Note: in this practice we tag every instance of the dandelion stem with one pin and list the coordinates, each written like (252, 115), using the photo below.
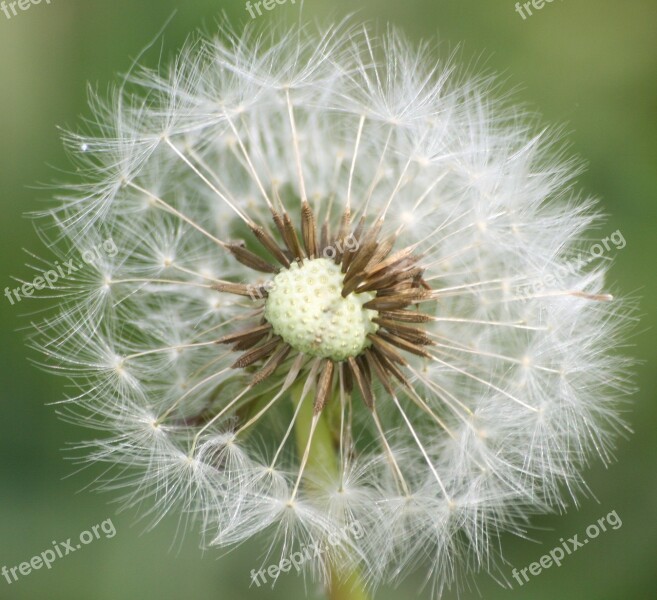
(349, 588)
(345, 583)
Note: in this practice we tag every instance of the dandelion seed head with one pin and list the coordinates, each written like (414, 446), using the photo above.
(328, 306)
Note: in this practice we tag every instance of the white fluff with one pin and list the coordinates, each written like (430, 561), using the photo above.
(522, 389)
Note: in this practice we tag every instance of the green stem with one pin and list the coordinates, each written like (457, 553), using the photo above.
(323, 464)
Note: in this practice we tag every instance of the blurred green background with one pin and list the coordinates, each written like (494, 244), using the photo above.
(591, 64)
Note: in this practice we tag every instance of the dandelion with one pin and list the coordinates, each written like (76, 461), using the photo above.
(319, 313)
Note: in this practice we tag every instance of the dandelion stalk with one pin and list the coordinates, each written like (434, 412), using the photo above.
(323, 464)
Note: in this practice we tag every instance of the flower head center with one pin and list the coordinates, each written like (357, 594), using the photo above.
(306, 308)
